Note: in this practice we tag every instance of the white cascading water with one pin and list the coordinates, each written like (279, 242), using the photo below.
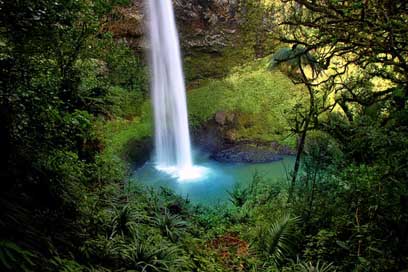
(172, 137)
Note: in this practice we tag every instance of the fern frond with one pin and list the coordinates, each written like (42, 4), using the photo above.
(277, 241)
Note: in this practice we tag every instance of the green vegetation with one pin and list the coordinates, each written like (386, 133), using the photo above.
(260, 99)
(117, 133)
(73, 100)
(200, 66)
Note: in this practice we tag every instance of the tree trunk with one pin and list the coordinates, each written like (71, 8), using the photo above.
(299, 152)
(301, 144)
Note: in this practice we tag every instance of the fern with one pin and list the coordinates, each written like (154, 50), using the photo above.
(170, 225)
(319, 267)
(14, 258)
(238, 196)
(64, 265)
(300, 266)
(277, 241)
(124, 221)
(149, 255)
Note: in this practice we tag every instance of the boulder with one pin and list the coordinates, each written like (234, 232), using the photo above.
(230, 136)
(224, 118)
(221, 118)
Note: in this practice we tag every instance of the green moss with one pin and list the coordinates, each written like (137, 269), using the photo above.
(116, 134)
(261, 98)
(200, 66)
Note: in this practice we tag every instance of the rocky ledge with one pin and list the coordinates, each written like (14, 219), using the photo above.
(217, 138)
(252, 153)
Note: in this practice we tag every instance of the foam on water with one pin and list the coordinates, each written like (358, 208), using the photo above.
(192, 174)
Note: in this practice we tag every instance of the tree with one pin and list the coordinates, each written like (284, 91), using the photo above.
(357, 43)
(296, 60)
(366, 34)
(48, 144)
(258, 24)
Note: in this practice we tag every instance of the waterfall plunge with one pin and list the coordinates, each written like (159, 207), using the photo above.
(172, 138)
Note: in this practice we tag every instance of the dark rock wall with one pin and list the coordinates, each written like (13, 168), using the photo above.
(214, 137)
(205, 24)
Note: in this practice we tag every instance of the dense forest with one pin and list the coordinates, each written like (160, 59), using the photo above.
(327, 79)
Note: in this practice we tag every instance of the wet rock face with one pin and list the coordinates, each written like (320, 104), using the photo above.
(127, 25)
(205, 24)
(251, 152)
(248, 153)
(209, 137)
(218, 137)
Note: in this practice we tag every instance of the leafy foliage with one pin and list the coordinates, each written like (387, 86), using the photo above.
(294, 58)
(277, 241)
(14, 257)
(309, 267)
(73, 100)
(260, 100)
(238, 195)
(170, 225)
(144, 257)
(54, 87)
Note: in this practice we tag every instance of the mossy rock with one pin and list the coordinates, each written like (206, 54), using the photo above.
(137, 151)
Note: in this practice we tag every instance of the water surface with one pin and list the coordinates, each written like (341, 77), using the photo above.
(217, 178)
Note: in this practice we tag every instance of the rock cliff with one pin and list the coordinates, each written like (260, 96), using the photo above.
(203, 24)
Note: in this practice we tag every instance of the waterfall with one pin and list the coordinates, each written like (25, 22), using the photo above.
(172, 138)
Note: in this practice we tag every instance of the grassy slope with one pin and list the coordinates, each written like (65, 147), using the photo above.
(120, 131)
(261, 97)
(117, 133)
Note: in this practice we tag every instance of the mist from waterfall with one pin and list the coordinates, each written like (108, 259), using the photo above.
(172, 137)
